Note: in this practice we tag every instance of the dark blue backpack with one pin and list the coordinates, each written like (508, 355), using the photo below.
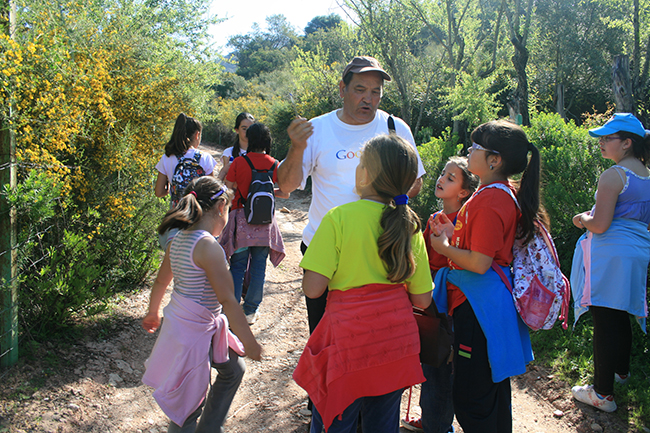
(260, 203)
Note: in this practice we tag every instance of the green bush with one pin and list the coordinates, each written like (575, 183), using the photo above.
(72, 259)
(571, 165)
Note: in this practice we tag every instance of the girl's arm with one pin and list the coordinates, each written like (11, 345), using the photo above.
(225, 165)
(162, 185)
(422, 300)
(314, 284)
(610, 186)
(469, 260)
(151, 321)
(231, 185)
(209, 256)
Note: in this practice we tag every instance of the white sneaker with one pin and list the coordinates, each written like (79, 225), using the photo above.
(587, 395)
(622, 378)
(252, 318)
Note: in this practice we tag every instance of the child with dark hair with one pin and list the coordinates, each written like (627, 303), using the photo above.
(371, 256)
(610, 264)
(183, 143)
(181, 149)
(247, 246)
(240, 146)
(195, 334)
(491, 342)
(454, 187)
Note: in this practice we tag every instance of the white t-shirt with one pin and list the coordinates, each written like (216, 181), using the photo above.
(228, 153)
(167, 164)
(331, 159)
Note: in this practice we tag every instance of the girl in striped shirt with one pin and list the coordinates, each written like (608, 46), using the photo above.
(195, 334)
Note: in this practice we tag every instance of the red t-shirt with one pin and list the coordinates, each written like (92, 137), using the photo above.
(240, 173)
(486, 224)
(436, 261)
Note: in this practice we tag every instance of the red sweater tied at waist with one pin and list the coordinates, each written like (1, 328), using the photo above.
(366, 344)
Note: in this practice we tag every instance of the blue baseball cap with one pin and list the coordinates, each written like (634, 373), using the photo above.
(620, 122)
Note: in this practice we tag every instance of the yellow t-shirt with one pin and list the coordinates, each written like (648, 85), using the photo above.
(344, 249)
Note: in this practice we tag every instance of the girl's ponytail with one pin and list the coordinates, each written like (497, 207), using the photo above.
(400, 223)
(184, 128)
(528, 196)
(392, 164)
(201, 195)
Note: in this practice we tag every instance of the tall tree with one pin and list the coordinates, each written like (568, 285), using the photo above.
(468, 35)
(323, 22)
(519, 24)
(641, 56)
(390, 30)
(571, 54)
(264, 50)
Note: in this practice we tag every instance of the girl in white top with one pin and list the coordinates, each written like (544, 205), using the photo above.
(184, 142)
(242, 122)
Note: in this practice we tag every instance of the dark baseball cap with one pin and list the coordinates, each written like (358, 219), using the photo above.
(365, 64)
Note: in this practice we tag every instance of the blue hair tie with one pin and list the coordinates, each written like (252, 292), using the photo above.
(401, 199)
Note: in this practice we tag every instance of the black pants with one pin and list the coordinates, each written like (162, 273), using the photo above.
(612, 346)
(315, 307)
(481, 406)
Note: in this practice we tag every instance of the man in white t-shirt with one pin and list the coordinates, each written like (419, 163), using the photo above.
(327, 148)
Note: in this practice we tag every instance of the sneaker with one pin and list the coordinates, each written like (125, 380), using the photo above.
(252, 318)
(412, 424)
(622, 378)
(587, 395)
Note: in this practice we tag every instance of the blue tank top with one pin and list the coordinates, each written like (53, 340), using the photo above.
(634, 200)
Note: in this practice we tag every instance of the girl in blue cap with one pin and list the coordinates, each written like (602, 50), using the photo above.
(609, 273)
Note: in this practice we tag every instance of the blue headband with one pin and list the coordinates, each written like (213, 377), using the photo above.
(401, 199)
(218, 194)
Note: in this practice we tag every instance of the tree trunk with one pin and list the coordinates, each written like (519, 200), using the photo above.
(520, 97)
(622, 85)
(559, 100)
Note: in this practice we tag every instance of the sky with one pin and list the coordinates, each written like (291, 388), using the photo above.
(243, 14)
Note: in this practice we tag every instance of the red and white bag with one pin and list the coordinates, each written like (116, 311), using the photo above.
(540, 291)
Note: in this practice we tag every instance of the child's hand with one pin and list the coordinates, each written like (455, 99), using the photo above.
(577, 220)
(441, 223)
(151, 322)
(439, 242)
(253, 351)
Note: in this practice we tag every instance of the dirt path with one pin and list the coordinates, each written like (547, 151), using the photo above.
(93, 383)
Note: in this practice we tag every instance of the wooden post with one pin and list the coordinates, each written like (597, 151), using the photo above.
(8, 284)
(622, 85)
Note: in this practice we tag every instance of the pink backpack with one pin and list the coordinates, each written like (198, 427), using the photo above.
(541, 292)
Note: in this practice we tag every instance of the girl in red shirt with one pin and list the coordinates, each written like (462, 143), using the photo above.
(249, 245)
(483, 310)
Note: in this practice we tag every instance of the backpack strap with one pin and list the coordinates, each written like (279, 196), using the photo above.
(249, 162)
(196, 158)
(502, 187)
(391, 125)
(505, 279)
